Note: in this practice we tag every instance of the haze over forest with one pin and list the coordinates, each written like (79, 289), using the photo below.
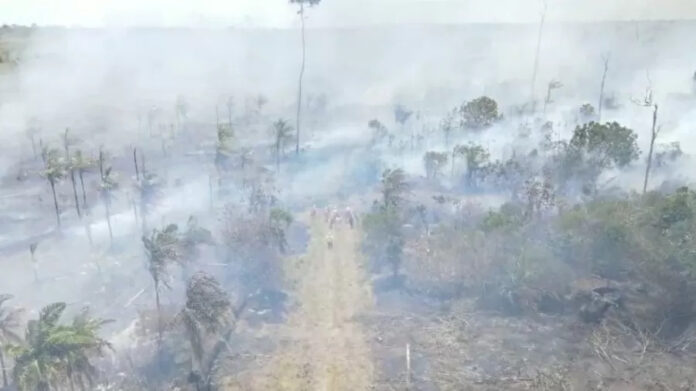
(441, 195)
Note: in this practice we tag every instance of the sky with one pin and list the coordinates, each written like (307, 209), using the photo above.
(330, 13)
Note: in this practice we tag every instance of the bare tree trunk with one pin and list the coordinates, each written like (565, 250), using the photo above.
(408, 366)
(74, 188)
(229, 113)
(653, 136)
(55, 200)
(548, 98)
(143, 215)
(210, 190)
(135, 163)
(159, 323)
(88, 228)
(277, 157)
(101, 164)
(43, 152)
(299, 90)
(538, 50)
(81, 383)
(69, 375)
(2, 365)
(135, 210)
(108, 219)
(72, 172)
(33, 145)
(34, 264)
(82, 185)
(105, 197)
(601, 88)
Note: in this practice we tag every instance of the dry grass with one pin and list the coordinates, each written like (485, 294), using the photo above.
(324, 347)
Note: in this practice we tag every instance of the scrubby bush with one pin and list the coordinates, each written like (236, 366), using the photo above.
(479, 113)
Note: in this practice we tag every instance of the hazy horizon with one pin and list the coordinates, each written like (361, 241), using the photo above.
(336, 13)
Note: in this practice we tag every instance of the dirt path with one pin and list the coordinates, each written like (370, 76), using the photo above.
(324, 348)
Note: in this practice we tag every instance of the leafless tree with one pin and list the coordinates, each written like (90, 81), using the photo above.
(605, 60)
(654, 130)
(538, 47)
(301, 12)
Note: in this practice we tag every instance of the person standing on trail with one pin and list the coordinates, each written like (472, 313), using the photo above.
(329, 240)
(350, 217)
(327, 214)
(335, 218)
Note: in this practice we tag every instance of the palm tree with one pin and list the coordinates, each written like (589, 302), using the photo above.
(301, 12)
(538, 49)
(82, 164)
(394, 186)
(161, 248)
(282, 134)
(204, 317)
(54, 171)
(36, 364)
(149, 188)
(71, 169)
(107, 186)
(84, 330)
(54, 353)
(9, 322)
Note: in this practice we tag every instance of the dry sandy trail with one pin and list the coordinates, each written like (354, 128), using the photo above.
(324, 347)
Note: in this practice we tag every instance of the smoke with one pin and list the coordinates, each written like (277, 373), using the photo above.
(119, 88)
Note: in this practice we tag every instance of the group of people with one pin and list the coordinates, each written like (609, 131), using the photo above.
(334, 216)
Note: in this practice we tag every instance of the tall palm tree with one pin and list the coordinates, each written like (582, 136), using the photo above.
(82, 164)
(301, 12)
(107, 186)
(9, 322)
(71, 169)
(205, 317)
(282, 134)
(54, 171)
(161, 248)
(149, 188)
